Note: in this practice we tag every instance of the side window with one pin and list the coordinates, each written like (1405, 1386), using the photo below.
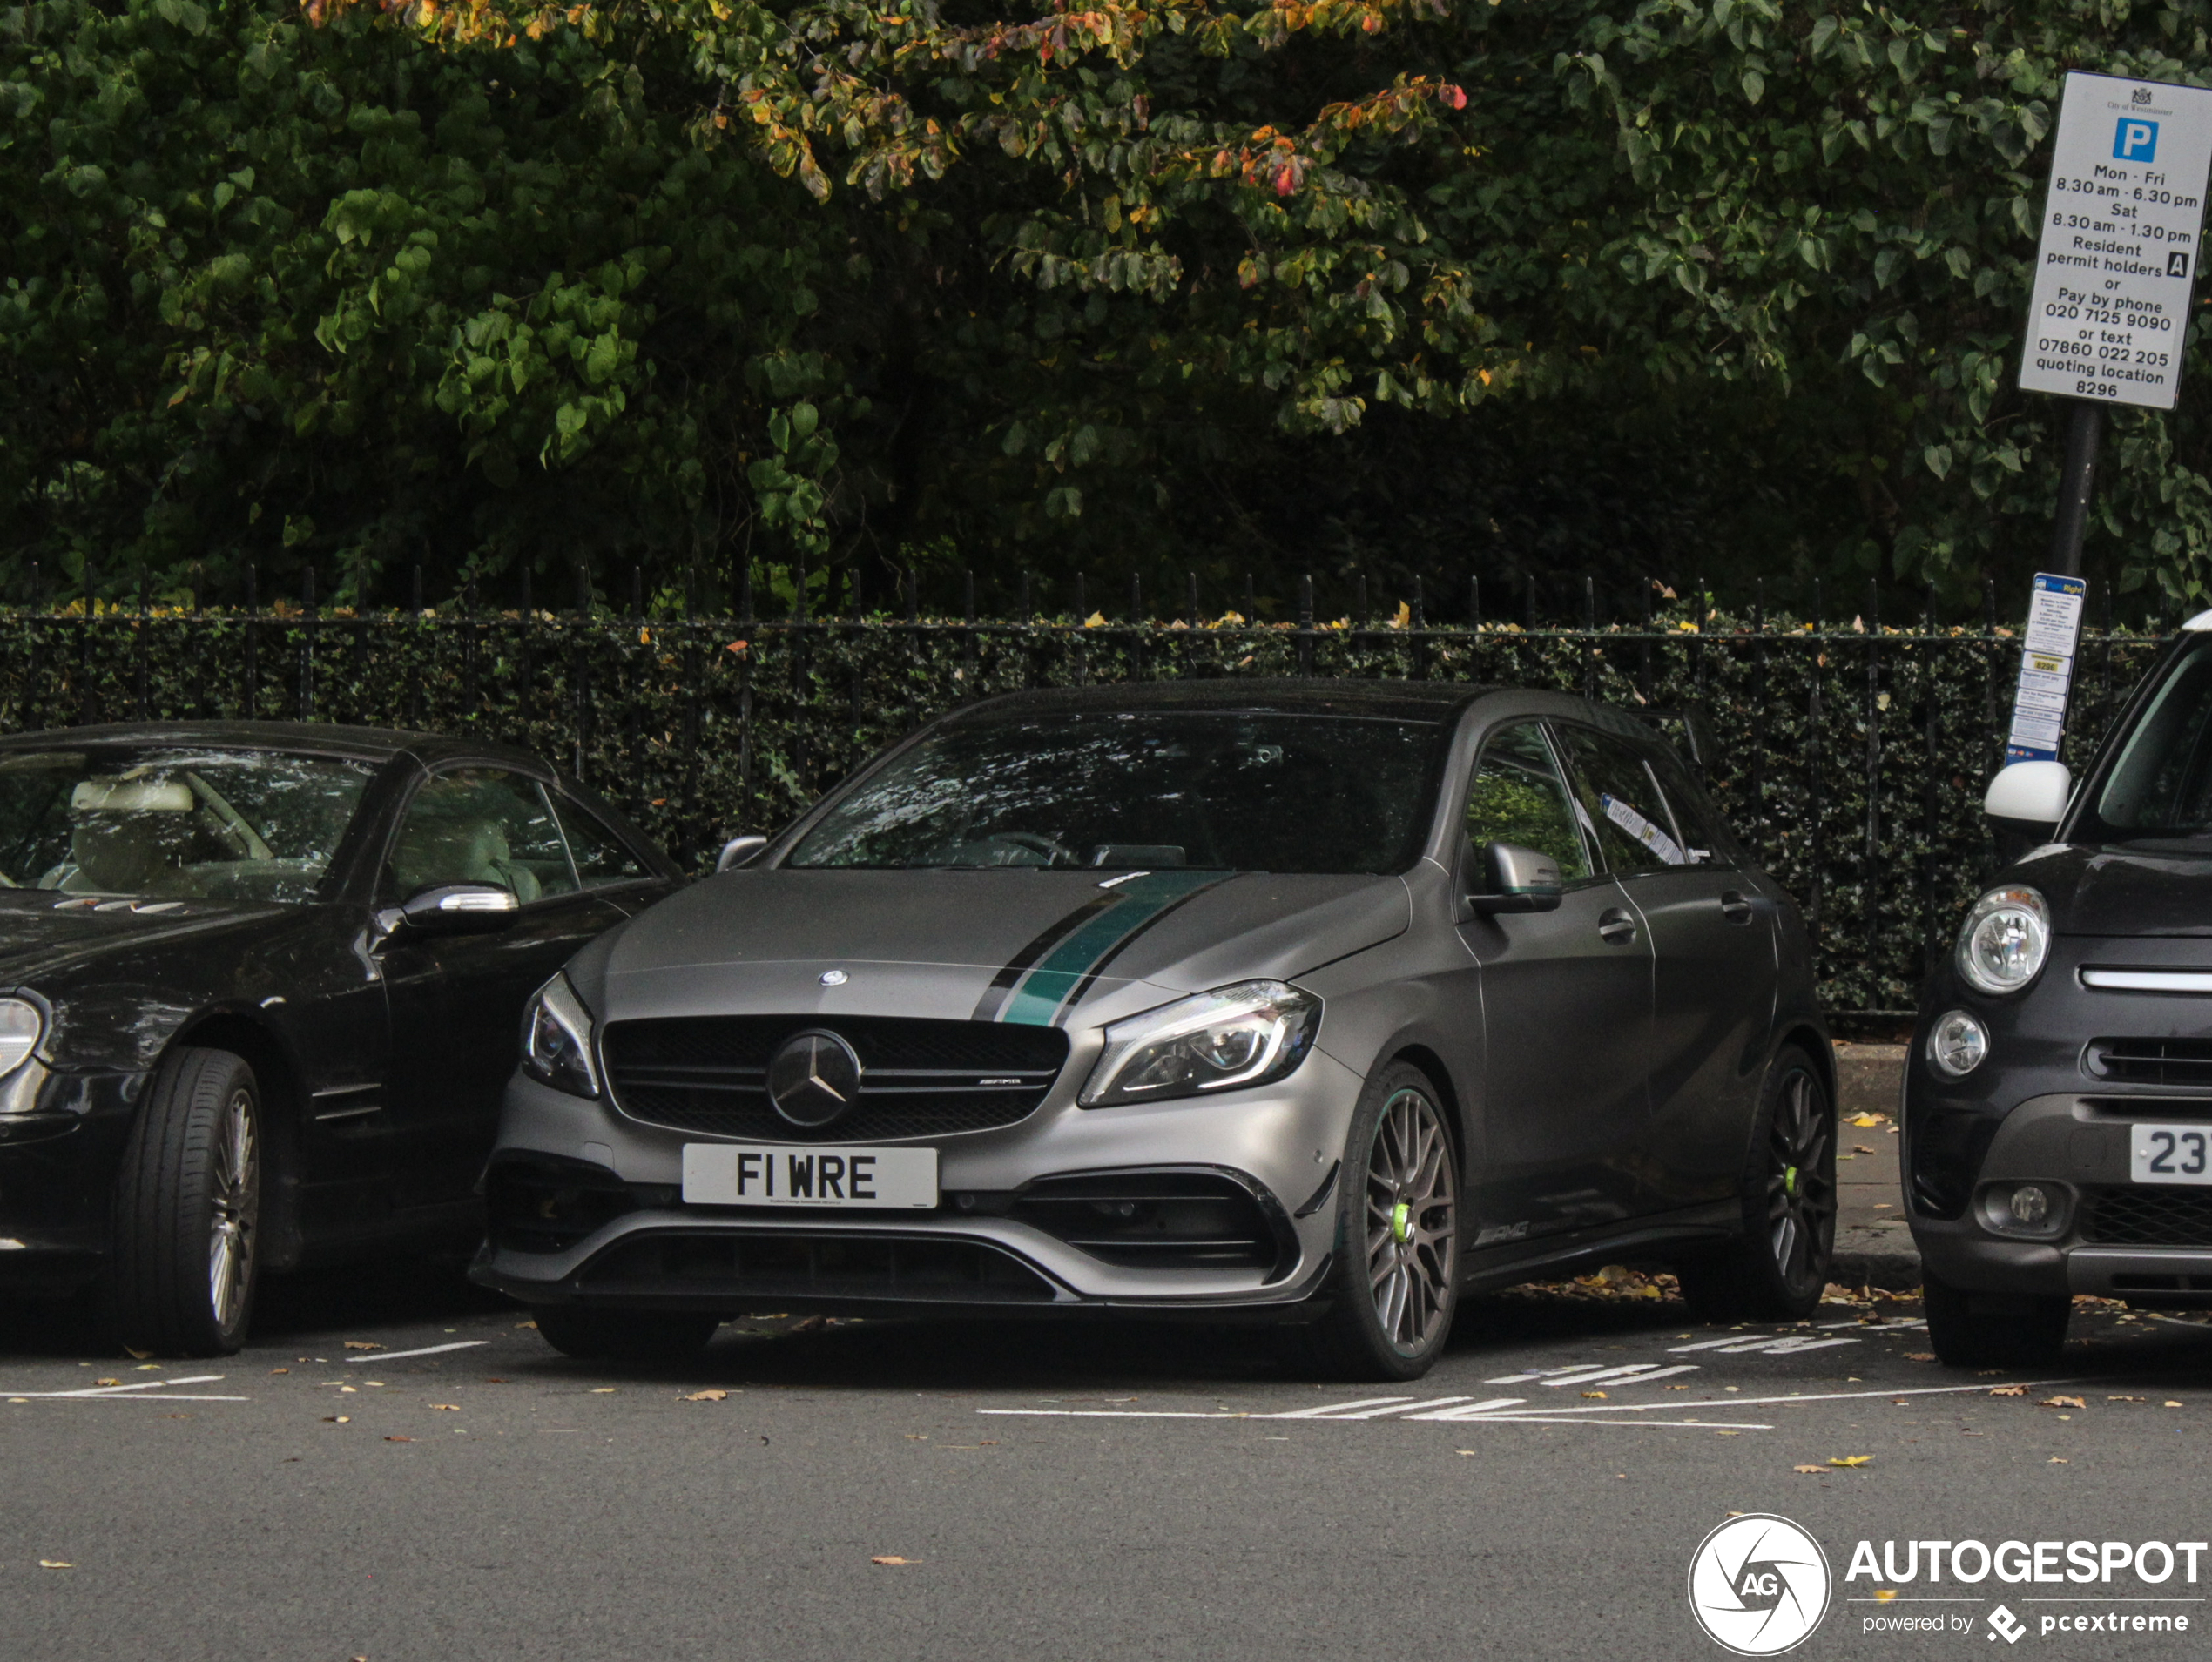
(1519, 797)
(480, 825)
(598, 853)
(1634, 831)
(1706, 838)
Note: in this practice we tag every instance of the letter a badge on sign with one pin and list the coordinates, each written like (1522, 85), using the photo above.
(2177, 264)
(2134, 140)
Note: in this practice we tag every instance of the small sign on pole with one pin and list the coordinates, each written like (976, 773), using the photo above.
(2122, 226)
(2047, 669)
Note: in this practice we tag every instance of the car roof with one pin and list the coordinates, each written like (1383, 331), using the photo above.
(1423, 701)
(304, 738)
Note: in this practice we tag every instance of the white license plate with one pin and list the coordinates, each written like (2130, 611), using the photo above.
(2170, 1153)
(722, 1174)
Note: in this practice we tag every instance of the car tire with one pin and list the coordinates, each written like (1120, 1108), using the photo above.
(1394, 1280)
(1995, 1330)
(188, 1211)
(626, 1335)
(1776, 1269)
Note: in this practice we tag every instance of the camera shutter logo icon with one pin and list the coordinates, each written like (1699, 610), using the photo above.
(1759, 1584)
(2135, 140)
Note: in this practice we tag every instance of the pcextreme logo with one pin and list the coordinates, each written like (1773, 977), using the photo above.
(1758, 1585)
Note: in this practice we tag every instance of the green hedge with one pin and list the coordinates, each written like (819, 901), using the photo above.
(1852, 760)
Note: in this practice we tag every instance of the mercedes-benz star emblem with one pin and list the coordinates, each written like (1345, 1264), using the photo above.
(814, 1078)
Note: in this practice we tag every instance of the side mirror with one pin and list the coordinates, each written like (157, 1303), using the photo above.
(2031, 796)
(739, 851)
(450, 909)
(1516, 879)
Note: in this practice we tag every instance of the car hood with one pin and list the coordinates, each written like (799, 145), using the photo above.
(2122, 891)
(1001, 945)
(45, 935)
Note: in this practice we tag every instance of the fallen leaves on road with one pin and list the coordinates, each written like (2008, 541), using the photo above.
(449, 1408)
(525, 1324)
(1867, 1120)
(1850, 1459)
(363, 1344)
(399, 1439)
(1919, 1355)
(2127, 1399)
(54, 1564)
(280, 1370)
(2057, 1460)
(2060, 1402)
(707, 1397)
(2008, 1390)
(337, 1419)
(1860, 1149)
(893, 1558)
(1809, 1469)
(602, 1391)
(807, 1324)
(107, 1382)
(137, 1354)
(2169, 1402)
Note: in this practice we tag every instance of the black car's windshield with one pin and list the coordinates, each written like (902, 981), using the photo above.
(1242, 791)
(2160, 787)
(173, 824)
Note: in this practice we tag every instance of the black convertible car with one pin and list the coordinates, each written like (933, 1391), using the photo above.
(260, 984)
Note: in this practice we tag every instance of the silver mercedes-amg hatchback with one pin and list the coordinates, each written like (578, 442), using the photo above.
(1318, 1002)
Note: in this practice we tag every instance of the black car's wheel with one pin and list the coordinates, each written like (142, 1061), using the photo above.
(625, 1335)
(1995, 1330)
(1395, 1282)
(1778, 1268)
(188, 1210)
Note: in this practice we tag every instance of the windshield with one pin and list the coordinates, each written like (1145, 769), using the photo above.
(1244, 791)
(173, 824)
(2161, 785)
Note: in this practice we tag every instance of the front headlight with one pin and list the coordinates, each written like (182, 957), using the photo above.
(22, 1024)
(1251, 1034)
(2007, 936)
(556, 1040)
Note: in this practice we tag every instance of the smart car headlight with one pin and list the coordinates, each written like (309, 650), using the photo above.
(1252, 1033)
(556, 1040)
(22, 1024)
(2007, 937)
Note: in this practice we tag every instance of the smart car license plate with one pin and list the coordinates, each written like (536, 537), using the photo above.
(2170, 1153)
(721, 1174)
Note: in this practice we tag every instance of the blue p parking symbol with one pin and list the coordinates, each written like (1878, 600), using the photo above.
(2135, 141)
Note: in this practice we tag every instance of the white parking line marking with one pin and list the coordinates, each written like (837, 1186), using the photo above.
(1639, 1373)
(1778, 1345)
(132, 1393)
(1472, 1410)
(1817, 1396)
(1371, 1413)
(1331, 1409)
(1552, 1419)
(1126, 1414)
(1561, 1374)
(381, 1356)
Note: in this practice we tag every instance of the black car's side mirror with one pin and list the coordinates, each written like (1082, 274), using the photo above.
(450, 909)
(739, 851)
(1515, 879)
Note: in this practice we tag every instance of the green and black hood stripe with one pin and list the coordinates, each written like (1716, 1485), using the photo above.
(1049, 975)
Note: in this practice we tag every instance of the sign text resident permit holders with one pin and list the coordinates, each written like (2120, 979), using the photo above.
(2122, 228)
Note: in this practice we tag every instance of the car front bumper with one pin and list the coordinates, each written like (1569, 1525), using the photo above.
(998, 1240)
(61, 1139)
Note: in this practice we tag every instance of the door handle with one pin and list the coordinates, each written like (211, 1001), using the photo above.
(1617, 928)
(1735, 907)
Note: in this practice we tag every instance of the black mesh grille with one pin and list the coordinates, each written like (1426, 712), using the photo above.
(2145, 1215)
(746, 1269)
(2152, 1061)
(1154, 1220)
(918, 1078)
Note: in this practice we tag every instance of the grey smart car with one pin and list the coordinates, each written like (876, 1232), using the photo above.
(1318, 1002)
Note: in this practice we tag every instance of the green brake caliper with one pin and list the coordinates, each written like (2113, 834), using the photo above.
(1401, 1222)
(1789, 1180)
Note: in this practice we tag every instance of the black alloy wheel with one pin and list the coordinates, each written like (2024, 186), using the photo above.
(1394, 1284)
(188, 1210)
(1778, 1268)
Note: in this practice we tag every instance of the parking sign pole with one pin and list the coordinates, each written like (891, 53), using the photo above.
(2122, 225)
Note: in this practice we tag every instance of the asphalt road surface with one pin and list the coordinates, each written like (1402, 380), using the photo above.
(916, 1489)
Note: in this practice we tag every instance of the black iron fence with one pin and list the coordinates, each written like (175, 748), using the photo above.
(1852, 751)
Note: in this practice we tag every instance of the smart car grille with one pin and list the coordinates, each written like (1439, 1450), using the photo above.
(1156, 1220)
(2144, 1216)
(2152, 1061)
(746, 1268)
(918, 1078)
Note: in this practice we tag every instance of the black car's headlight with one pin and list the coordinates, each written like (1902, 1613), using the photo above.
(2005, 938)
(556, 1040)
(1251, 1034)
(22, 1024)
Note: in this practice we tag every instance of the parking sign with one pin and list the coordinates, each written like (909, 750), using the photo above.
(2123, 224)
